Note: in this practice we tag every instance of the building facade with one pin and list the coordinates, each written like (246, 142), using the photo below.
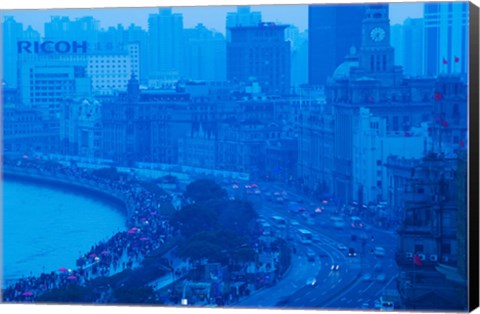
(165, 36)
(370, 79)
(332, 30)
(446, 38)
(260, 52)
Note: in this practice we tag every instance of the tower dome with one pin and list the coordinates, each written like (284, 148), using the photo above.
(342, 72)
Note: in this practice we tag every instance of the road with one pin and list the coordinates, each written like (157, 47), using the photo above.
(360, 280)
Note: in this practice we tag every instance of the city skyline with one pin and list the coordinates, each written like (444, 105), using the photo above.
(295, 14)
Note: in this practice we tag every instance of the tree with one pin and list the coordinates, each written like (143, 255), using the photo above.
(108, 173)
(245, 254)
(200, 249)
(237, 216)
(216, 246)
(204, 190)
(193, 219)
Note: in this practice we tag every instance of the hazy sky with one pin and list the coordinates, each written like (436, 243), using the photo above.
(212, 17)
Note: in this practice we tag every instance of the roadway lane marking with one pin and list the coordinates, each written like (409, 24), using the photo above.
(368, 287)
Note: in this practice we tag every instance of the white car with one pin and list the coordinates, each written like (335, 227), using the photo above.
(379, 251)
(380, 277)
(335, 267)
(342, 247)
(311, 281)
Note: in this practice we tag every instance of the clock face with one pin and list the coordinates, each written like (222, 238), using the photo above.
(377, 34)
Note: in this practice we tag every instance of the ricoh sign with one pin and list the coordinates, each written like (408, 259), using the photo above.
(49, 46)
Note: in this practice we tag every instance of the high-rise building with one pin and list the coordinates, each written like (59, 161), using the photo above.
(111, 70)
(165, 33)
(260, 53)
(45, 83)
(413, 32)
(118, 39)
(446, 38)
(299, 55)
(12, 31)
(205, 55)
(332, 31)
(81, 29)
(408, 41)
(398, 43)
(243, 17)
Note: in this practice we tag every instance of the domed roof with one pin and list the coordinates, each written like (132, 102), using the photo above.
(343, 70)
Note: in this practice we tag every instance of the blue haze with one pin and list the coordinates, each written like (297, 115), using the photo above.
(336, 150)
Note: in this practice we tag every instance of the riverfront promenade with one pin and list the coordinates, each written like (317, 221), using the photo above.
(146, 229)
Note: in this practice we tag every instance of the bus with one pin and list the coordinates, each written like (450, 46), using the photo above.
(356, 222)
(305, 236)
(279, 222)
(337, 222)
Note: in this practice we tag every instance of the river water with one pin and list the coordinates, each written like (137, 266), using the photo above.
(47, 227)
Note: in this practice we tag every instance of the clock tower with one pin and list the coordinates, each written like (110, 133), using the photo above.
(376, 54)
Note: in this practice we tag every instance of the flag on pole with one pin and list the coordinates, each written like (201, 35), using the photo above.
(445, 61)
(445, 123)
(437, 96)
(457, 59)
(416, 260)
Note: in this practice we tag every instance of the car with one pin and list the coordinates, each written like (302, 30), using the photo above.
(352, 252)
(316, 238)
(380, 277)
(365, 305)
(335, 267)
(379, 251)
(367, 277)
(342, 247)
(311, 256)
(312, 281)
(294, 223)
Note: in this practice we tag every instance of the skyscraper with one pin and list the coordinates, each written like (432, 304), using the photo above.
(299, 55)
(408, 41)
(260, 53)
(81, 29)
(205, 55)
(243, 17)
(446, 38)
(332, 31)
(11, 33)
(165, 32)
(414, 35)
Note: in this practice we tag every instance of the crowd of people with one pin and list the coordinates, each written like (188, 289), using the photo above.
(146, 230)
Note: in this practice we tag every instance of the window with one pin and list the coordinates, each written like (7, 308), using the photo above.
(418, 248)
(446, 248)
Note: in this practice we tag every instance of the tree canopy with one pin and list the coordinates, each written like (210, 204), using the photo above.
(204, 190)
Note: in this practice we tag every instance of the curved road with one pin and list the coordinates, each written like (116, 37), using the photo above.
(359, 281)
